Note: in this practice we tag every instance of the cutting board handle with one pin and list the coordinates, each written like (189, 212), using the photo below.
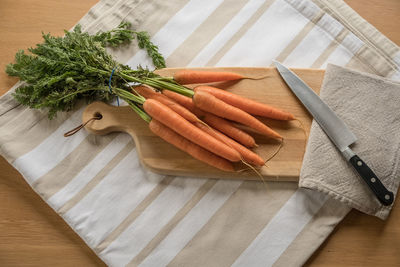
(113, 119)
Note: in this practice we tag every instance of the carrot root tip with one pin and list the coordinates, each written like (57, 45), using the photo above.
(258, 78)
(276, 151)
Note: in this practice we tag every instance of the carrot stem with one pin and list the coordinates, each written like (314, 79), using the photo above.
(140, 112)
(159, 84)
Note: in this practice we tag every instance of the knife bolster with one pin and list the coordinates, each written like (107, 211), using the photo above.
(348, 153)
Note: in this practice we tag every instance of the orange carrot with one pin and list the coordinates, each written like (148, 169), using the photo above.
(245, 104)
(168, 117)
(198, 76)
(229, 129)
(218, 123)
(144, 91)
(248, 155)
(189, 147)
(206, 101)
(181, 99)
(149, 93)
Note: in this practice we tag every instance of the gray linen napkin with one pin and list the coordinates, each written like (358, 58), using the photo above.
(370, 106)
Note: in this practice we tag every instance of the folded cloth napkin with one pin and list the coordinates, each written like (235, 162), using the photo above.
(370, 106)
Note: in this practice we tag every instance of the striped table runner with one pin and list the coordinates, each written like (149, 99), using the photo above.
(132, 217)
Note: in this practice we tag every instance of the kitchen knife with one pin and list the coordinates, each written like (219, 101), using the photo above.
(336, 130)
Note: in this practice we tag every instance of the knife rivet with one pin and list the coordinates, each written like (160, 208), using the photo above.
(373, 179)
(387, 197)
(359, 163)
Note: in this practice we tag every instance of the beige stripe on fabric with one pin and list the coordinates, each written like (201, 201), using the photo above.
(357, 64)
(7, 101)
(71, 165)
(172, 223)
(109, 15)
(24, 124)
(236, 224)
(185, 53)
(25, 129)
(134, 214)
(96, 11)
(97, 179)
(299, 37)
(314, 233)
(151, 20)
(236, 37)
(329, 50)
(372, 58)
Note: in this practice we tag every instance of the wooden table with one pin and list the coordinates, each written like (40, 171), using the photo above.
(31, 233)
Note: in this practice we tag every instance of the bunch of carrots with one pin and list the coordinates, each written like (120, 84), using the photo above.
(62, 70)
(199, 121)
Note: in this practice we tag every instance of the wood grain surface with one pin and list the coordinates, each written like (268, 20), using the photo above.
(32, 234)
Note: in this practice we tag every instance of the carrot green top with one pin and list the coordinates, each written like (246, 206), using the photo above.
(62, 70)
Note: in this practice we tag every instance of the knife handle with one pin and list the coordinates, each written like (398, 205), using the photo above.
(383, 195)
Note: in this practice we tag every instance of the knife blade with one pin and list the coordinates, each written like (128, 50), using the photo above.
(337, 131)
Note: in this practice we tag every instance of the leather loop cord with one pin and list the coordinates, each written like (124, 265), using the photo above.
(76, 129)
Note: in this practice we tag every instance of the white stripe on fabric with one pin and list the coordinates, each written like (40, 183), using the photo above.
(151, 221)
(267, 37)
(52, 150)
(352, 42)
(396, 58)
(395, 76)
(90, 171)
(318, 39)
(330, 25)
(341, 56)
(226, 33)
(177, 29)
(282, 229)
(110, 201)
(176, 240)
(306, 7)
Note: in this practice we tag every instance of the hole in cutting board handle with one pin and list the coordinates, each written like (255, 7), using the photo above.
(98, 115)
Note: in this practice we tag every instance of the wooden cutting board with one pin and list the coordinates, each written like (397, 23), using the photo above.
(161, 157)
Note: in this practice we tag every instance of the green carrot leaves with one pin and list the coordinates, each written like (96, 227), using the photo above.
(152, 50)
(62, 70)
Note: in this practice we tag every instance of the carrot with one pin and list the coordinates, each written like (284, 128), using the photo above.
(144, 91)
(181, 126)
(189, 147)
(149, 93)
(245, 104)
(198, 76)
(229, 129)
(248, 155)
(181, 99)
(206, 101)
(218, 123)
